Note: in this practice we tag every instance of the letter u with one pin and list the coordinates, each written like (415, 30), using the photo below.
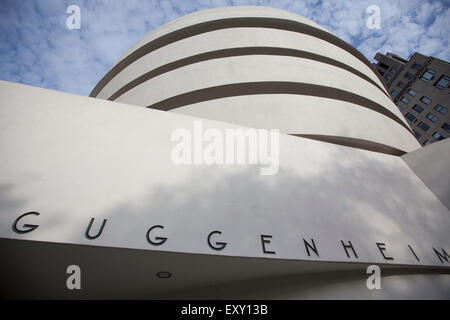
(89, 229)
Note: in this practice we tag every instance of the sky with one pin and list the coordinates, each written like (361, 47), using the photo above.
(37, 48)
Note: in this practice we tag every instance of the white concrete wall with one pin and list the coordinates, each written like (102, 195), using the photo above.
(73, 158)
(432, 165)
(314, 115)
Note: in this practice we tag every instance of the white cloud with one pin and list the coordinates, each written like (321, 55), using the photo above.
(36, 48)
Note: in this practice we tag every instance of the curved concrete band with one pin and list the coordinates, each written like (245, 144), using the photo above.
(197, 63)
(234, 52)
(274, 87)
(250, 22)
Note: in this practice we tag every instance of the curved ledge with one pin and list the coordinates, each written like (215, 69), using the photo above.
(272, 87)
(249, 22)
(354, 143)
(234, 52)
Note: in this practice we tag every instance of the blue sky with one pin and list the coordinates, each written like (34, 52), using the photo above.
(38, 49)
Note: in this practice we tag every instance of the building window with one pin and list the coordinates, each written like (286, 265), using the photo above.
(393, 70)
(418, 108)
(394, 93)
(425, 100)
(442, 82)
(387, 77)
(438, 136)
(412, 92)
(441, 109)
(427, 75)
(426, 143)
(408, 75)
(410, 116)
(381, 72)
(384, 66)
(404, 100)
(446, 127)
(399, 107)
(432, 117)
(416, 66)
(423, 126)
(416, 134)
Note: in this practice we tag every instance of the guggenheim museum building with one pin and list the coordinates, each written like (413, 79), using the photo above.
(92, 204)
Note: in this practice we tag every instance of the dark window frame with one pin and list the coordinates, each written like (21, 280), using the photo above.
(416, 66)
(428, 71)
(439, 136)
(446, 127)
(442, 108)
(432, 117)
(383, 65)
(408, 76)
(425, 98)
(409, 115)
(422, 125)
(405, 99)
(419, 108)
(417, 134)
(443, 77)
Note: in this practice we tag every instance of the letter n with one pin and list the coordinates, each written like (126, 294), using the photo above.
(312, 247)
(444, 255)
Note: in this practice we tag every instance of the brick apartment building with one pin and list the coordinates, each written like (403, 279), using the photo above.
(420, 88)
